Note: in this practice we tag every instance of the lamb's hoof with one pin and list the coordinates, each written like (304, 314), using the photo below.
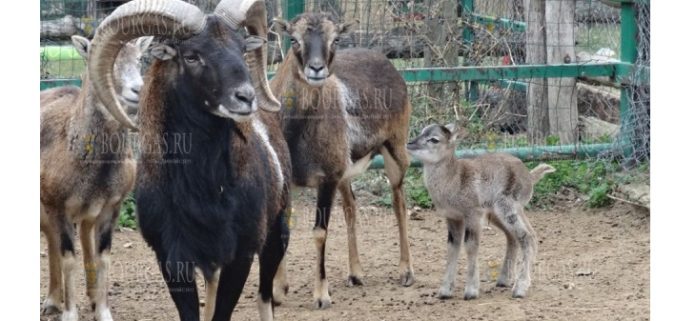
(279, 295)
(502, 284)
(407, 279)
(354, 281)
(470, 295)
(444, 294)
(49, 308)
(322, 304)
(518, 294)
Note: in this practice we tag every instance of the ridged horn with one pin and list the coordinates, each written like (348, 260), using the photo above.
(252, 15)
(139, 18)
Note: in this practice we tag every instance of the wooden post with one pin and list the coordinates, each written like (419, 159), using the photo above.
(560, 48)
(535, 53)
(441, 49)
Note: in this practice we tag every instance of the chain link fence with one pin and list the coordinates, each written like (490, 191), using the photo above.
(509, 112)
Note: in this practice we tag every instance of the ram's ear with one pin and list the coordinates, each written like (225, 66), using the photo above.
(347, 26)
(162, 51)
(282, 26)
(81, 44)
(254, 42)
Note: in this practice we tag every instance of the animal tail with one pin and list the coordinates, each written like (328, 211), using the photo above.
(541, 170)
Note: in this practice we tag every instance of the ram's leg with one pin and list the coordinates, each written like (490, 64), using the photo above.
(269, 260)
(103, 238)
(455, 229)
(355, 274)
(325, 196)
(232, 279)
(68, 265)
(211, 286)
(54, 298)
(180, 277)
(280, 282)
(395, 165)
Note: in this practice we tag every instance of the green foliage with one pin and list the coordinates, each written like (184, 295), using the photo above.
(553, 140)
(127, 216)
(598, 196)
(590, 178)
(415, 189)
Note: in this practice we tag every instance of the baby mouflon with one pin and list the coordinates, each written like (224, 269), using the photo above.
(495, 186)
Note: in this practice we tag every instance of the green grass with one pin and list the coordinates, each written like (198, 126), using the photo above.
(592, 178)
(127, 216)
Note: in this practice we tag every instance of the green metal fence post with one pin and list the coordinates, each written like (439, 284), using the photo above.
(468, 38)
(628, 55)
(291, 9)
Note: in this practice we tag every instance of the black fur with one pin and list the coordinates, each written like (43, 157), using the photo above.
(209, 206)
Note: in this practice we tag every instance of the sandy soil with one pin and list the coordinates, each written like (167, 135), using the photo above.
(592, 265)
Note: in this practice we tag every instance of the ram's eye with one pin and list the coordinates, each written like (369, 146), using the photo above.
(433, 140)
(191, 59)
(336, 40)
(293, 41)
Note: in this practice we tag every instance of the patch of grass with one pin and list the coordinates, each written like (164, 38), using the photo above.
(127, 216)
(589, 177)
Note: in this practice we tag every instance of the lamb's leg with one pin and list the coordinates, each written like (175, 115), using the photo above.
(514, 221)
(54, 298)
(507, 271)
(269, 260)
(103, 237)
(455, 228)
(356, 274)
(395, 165)
(325, 195)
(472, 235)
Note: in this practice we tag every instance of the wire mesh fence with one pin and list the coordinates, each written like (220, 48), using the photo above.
(510, 112)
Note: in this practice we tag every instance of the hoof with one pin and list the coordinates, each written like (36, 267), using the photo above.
(69, 315)
(104, 315)
(322, 304)
(470, 295)
(407, 279)
(444, 294)
(354, 281)
(502, 284)
(518, 294)
(49, 308)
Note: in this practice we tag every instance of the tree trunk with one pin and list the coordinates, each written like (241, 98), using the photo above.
(441, 49)
(537, 102)
(560, 48)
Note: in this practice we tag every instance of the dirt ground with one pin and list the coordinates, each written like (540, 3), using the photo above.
(592, 265)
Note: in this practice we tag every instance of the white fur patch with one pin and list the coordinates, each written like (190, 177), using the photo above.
(357, 168)
(354, 134)
(260, 129)
(265, 309)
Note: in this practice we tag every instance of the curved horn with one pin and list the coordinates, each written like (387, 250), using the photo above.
(168, 18)
(252, 15)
